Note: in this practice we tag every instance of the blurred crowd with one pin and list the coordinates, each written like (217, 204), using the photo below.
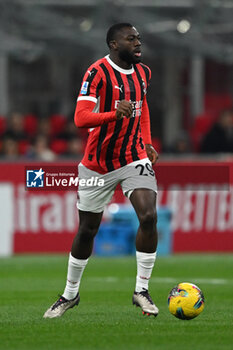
(57, 136)
(40, 138)
(210, 134)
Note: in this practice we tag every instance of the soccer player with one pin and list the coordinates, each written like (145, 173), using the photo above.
(112, 104)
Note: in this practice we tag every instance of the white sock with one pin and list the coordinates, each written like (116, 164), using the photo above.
(145, 264)
(74, 274)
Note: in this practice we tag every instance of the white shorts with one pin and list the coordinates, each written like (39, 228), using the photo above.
(95, 190)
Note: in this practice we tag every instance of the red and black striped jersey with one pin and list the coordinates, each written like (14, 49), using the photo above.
(119, 142)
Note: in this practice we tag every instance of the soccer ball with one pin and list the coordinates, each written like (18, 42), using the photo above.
(186, 301)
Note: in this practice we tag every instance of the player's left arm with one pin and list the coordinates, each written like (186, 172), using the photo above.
(146, 132)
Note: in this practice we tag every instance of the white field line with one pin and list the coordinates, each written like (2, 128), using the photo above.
(112, 279)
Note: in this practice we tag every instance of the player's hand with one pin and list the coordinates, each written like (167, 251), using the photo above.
(124, 109)
(151, 153)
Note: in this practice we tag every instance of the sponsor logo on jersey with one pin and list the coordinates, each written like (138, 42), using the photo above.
(84, 87)
(136, 105)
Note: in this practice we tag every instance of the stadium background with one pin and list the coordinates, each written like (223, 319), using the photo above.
(46, 47)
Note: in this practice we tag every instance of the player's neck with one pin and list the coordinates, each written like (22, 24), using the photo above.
(120, 63)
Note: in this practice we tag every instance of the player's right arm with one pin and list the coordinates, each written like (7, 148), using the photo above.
(84, 116)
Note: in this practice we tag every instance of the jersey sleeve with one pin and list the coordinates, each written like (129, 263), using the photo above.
(145, 123)
(91, 84)
(145, 116)
(84, 116)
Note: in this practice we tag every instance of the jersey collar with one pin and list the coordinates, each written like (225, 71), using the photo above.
(121, 70)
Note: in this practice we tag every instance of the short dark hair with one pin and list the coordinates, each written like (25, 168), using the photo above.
(111, 34)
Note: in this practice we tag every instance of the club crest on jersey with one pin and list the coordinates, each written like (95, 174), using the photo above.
(84, 87)
(144, 87)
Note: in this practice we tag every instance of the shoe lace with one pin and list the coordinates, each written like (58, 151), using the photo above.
(59, 302)
(146, 295)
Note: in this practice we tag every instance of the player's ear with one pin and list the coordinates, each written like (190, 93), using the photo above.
(113, 45)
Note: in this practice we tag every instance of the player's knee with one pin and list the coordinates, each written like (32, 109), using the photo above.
(88, 232)
(148, 220)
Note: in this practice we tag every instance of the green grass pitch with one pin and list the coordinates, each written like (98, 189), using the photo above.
(105, 318)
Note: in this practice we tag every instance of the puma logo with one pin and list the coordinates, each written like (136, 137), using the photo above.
(90, 72)
(119, 88)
